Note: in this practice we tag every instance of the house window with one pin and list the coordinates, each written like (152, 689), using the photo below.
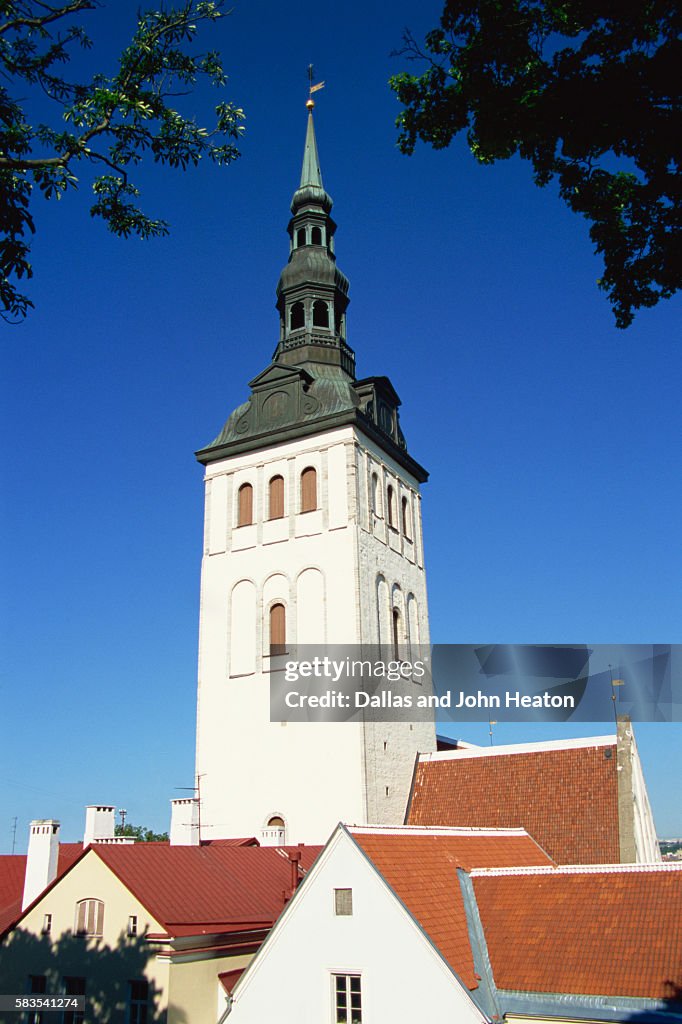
(405, 509)
(47, 924)
(276, 498)
(278, 629)
(245, 512)
(300, 236)
(309, 490)
(74, 987)
(390, 496)
(343, 902)
(37, 986)
(138, 1002)
(132, 925)
(316, 236)
(89, 917)
(347, 999)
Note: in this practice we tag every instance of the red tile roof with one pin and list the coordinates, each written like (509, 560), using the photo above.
(422, 871)
(12, 872)
(613, 932)
(210, 888)
(565, 797)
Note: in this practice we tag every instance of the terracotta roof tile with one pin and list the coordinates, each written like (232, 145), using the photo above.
(422, 871)
(612, 932)
(566, 798)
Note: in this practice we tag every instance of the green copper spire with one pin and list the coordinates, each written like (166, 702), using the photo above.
(312, 293)
(310, 172)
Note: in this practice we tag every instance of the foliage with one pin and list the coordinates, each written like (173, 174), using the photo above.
(141, 834)
(586, 91)
(106, 125)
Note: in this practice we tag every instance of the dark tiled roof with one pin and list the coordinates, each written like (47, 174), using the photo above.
(611, 932)
(565, 797)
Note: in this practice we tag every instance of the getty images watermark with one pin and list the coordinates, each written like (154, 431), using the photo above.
(467, 682)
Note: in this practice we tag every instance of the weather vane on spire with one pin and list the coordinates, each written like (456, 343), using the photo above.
(312, 88)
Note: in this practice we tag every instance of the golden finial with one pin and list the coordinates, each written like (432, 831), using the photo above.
(310, 103)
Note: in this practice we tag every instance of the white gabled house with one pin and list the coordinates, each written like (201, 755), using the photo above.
(350, 948)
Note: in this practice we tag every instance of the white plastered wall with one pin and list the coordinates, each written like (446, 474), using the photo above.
(323, 567)
(403, 978)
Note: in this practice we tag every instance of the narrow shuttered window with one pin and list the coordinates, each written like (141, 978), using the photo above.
(309, 490)
(276, 498)
(277, 629)
(89, 917)
(245, 517)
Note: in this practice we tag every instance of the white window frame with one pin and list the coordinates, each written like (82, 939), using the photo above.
(341, 1015)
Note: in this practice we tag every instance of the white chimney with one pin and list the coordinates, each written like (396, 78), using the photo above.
(99, 823)
(41, 861)
(184, 829)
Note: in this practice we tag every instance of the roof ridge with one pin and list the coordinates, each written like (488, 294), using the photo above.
(538, 746)
(578, 869)
(435, 830)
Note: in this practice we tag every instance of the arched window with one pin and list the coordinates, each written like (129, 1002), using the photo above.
(320, 313)
(376, 495)
(316, 236)
(245, 513)
(396, 631)
(89, 917)
(274, 831)
(309, 490)
(278, 629)
(405, 508)
(276, 498)
(300, 236)
(297, 316)
(390, 496)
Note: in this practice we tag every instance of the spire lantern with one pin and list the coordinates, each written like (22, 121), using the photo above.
(312, 293)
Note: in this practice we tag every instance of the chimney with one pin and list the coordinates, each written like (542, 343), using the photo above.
(99, 823)
(294, 857)
(184, 828)
(41, 861)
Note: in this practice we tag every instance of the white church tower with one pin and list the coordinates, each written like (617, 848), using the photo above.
(313, 534)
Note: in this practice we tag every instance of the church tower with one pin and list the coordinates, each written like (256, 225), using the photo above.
(312, 535)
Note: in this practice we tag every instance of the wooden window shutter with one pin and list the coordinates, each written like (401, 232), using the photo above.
(277, 629)
(245, 505)
(276, 498)
(99, 921)
(82, 909)
(309, 490)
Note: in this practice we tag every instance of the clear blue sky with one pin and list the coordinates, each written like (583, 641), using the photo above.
(553, 440)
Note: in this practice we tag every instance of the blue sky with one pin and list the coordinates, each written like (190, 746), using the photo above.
(552, 512)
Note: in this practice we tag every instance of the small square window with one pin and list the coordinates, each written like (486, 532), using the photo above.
(343, 902)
